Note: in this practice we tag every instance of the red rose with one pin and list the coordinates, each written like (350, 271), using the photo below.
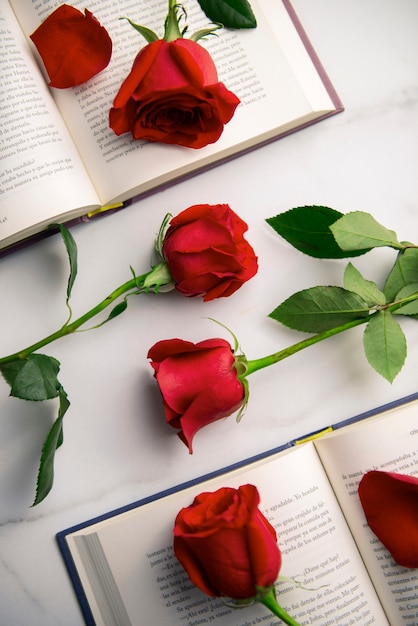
(206, 251)
(226, 545)
(73, 47)
(390, 504)
(198, 382)
(172, 95)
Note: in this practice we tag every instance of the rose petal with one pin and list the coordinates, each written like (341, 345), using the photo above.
(390, 504)
(73, 47)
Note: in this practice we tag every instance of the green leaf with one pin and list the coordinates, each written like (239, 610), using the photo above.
(32, 378)
(318, 309)
(367, 289)
(358, 230)
(385, 344)
(403, 273)
(307, 228)
(71, 248)
(117, 310)
(52, 442)
(230, 13)
(411, 308)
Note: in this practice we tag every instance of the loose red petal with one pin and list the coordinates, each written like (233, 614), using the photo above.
(73, 47)
(390, 504)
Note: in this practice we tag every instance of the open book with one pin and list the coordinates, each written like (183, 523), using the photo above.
(124, 570)
(59, 158)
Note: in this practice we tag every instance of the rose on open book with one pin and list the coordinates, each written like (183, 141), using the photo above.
(172, 95)
(226, 545)
(73, 46)
(206, 252)
(390, 504)
(199, 383)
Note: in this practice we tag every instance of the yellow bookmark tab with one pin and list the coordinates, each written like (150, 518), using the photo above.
(313, 436)
(103, 209)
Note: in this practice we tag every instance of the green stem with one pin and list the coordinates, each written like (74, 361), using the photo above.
(270, 602)
(153, 280)
(258, 364)
(171, 26)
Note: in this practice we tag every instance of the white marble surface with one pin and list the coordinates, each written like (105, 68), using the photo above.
(117, 447)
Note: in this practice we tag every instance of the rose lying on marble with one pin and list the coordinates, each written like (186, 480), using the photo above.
(202, 253)
(203, 382)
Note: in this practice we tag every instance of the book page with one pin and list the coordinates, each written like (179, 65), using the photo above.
(388, 443)
(129, 559)
(272, 96)
(41, 175)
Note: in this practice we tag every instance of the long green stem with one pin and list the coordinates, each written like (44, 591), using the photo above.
(270, 602)
(258, 364)
(153, 280)
(67, 329)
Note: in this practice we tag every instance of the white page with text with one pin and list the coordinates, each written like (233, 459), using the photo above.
(270, 93)
(38, 158)
(138, 569)
(388, 443)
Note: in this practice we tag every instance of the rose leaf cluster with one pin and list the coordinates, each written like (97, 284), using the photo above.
(323, 311)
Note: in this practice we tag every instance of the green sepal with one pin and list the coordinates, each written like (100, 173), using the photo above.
(261, 593)
(367, 289)
(52, 442)
(231, 13)
(307, 228)
(403, 273)
(244, 404)
(385, 344)
(159, 279)
(149, 35)
(241, 367)
(359, 230)
(321, 308)
(32, 378)
(159, 241)
(205, 32)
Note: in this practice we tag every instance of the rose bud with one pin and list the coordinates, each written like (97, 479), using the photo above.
(226, 545)
(206, 252)
(199, 383)
(73, 47)
(390, 504)
(172, 95)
